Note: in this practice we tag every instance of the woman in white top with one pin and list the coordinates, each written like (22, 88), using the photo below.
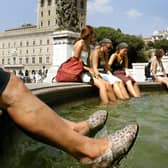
(158, 71)
(99, 63)
(81, 50)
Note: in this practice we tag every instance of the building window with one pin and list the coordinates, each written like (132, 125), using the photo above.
(33, 51)
(14, 60)
(40, 50)
(9, 61)
(47, 59)
(3, 61)
(3, 45)
(49, 2)
(8, 45)
(27, 43)
(48, 42)
(20, 60)
(49, 12)
(47, 50)
(27, 60)
(33, 60)
(41, 13)
(49, 23)
(27, 51)
(20, 51)
(14, 44)
(41, 42)
(41, 24)
(34, 43)
(42, 3)
(40, 60)
(21, 44)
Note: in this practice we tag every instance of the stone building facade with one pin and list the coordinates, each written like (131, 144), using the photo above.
(30, 47)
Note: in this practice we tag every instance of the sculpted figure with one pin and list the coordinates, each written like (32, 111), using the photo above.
(67, 13)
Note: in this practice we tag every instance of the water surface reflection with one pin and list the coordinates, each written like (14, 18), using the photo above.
(150, 150)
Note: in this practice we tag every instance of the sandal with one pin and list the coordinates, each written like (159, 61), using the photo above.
(97, 121)
(120, 144)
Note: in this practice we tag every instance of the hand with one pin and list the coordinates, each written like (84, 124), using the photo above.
(97, 76)
(127, 72)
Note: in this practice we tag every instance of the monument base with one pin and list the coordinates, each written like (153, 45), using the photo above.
(51, 74)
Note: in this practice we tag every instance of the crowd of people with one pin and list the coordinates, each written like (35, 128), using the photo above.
(35, 76)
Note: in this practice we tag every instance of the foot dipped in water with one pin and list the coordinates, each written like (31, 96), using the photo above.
(119, 144)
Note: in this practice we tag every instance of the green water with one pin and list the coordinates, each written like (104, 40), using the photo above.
(149, 151)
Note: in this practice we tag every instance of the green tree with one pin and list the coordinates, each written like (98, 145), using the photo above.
(161, 44)
(150, 45)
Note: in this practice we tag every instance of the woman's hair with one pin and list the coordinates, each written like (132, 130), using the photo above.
(85, 33)
(121, 46)
(105, 41)
(159, 52)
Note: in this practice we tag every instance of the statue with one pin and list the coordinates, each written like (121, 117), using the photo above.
(68, 17)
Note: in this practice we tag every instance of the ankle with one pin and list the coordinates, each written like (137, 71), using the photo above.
(81, 127)
(98, 146)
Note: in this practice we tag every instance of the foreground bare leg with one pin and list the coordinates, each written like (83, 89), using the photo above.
(42, 121)
(80, 127)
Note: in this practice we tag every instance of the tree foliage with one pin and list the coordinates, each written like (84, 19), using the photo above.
(161, 44)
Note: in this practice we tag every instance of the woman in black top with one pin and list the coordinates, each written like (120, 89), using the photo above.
(119, 65)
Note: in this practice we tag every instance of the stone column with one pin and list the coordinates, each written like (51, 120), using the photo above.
(138, 71)
(62, 50)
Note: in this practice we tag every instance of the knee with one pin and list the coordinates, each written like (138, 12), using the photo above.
(108, 86)
(14, 90)
(17, 83)
(116, 84)
(129, 82)
(122, 83)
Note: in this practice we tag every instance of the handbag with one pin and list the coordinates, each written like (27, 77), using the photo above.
(70, 70)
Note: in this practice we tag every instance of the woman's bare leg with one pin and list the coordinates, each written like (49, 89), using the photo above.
(102, 90)
(117, 91)
(80, 127)
(110, 92)
(163, 80)
(131, 89)
(124, 90)
(137, 90)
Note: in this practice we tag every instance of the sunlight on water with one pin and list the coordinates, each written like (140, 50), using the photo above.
(149, 151)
